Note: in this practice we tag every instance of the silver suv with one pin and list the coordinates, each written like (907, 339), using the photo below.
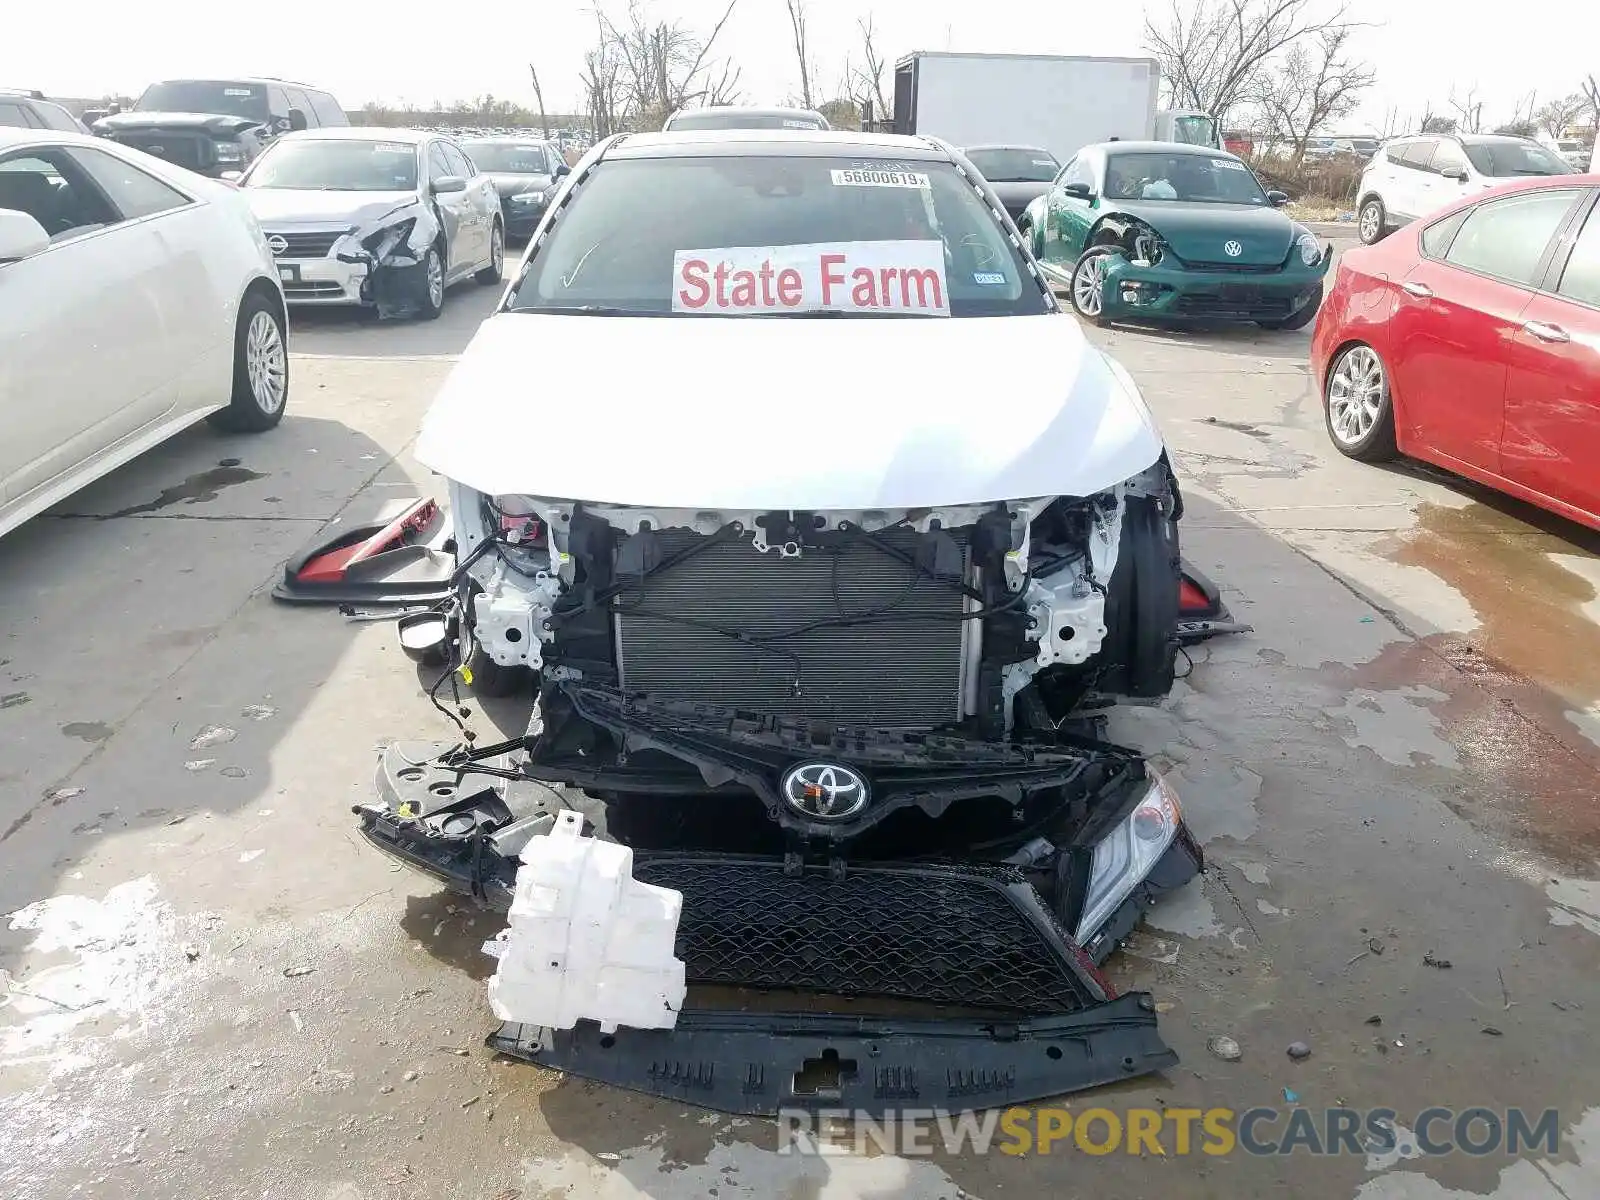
(1413, 176)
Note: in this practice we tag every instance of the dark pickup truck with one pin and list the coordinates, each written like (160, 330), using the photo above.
(217, 126)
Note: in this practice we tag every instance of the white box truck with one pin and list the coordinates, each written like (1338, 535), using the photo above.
(1057, 102)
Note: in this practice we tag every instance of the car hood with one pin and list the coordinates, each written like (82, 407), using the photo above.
(787, 413)
(1201, 232)
(1018, 194)
(290, 206)
(199, 122)
(515, 185)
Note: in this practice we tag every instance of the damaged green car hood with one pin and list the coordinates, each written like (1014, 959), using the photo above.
(1242, 234)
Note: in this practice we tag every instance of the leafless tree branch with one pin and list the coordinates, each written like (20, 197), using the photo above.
(802, 51)
(1313, 86)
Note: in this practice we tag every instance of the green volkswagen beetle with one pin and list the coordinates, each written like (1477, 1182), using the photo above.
(1164, 232)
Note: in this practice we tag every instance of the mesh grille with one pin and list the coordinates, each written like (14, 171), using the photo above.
(947, 936)
(307, 245)
(889, 674)
(186, 150)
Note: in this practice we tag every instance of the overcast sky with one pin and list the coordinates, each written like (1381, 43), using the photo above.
(408, 51)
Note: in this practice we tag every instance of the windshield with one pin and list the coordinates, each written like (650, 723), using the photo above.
(710, 118)
(1501, 160)
(201, 96)
(1190, 178)
(1015, 165)
(1365, 145)
(1194, 131)
(508, 158)
(771, 235)
(336, 166)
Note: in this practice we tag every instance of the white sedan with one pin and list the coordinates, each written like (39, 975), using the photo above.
(135, 299)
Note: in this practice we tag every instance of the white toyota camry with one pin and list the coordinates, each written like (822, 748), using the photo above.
(135, 299)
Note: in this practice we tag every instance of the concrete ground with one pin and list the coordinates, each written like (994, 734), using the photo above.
(216, 990)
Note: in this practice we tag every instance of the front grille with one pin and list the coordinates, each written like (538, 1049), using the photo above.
(1237, 268)
(1252, 303)
(675, 635)
(301, 244)
(947, 934)
(185, 150)
(308, 289)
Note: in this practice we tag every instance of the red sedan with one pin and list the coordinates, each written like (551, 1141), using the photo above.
(1471, 339)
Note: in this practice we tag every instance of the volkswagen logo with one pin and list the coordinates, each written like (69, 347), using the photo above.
(277, 244)
(824, 791)
(1232, 249)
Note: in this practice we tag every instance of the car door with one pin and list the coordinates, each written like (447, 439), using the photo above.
(1410, 184)
(1552, 434)
(456, 212)
(485, 198)
(1441, 190)
(1068, 216)
(1456, 315)
(87, 358)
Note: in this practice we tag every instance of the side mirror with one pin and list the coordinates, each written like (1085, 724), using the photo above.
(448, 183)
(20, 236)
(297, 119)
(562, 169)
(1277, 199)
(1459, 174)
(1081, 191)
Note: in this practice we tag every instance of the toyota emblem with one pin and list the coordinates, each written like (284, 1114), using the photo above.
(1232, 249)
(824, 791)
(277, 244)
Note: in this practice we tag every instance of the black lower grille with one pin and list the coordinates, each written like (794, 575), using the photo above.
(675, 634)
(1238, 268)
(185, 150)
(970, 936)
(1242, 301)
(302, 244)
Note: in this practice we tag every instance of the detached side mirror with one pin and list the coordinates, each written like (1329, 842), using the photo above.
(297, 120)
(562, 169)
(20, 236)
(1080, 191)
(1277, 199)
(1459, 174)
(448, 183)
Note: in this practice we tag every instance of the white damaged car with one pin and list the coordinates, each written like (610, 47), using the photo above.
(815, 527)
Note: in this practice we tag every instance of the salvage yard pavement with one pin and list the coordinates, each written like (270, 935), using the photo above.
(213, 991)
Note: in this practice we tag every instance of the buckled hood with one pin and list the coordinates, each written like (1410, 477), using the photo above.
(213, 123)
(291, 206)
(516, 184)
(1201, 232)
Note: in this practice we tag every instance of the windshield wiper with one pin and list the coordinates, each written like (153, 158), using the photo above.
(595, 310)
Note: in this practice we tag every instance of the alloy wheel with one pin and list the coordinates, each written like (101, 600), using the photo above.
(1369, 223)
(1355, 395)
(435, 279)
(266, 362)
(1087, 281)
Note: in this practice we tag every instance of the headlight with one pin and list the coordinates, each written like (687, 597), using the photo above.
(527, 197)
(390, 238)
(1126, 855)
(1310, 249)
(230, 152)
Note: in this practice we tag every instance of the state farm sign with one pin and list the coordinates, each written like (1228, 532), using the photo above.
(846, 276)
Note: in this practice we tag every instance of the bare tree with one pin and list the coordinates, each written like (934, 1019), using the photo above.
(802, 50)
(1555, 115)
(602, 84)
(1213, 53)
(865, 81)
(724, 87)
(538, 95)
(660, 66)
(1469, 110)
(1591, 100)
(1312, 86)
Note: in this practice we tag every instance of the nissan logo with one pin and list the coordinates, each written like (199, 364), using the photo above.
(1232, 249)
(824, 791)
(277, 244)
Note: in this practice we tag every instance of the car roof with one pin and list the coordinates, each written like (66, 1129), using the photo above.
(509, 139)
(1159, 148)
(10, 137)
(757, 110)
(1006, 146)
(796, 143)
(263, 80)
(360, 133)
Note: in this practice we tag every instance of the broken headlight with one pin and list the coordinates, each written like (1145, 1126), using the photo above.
(1126, 855)
(387, 240)
(1147, 250)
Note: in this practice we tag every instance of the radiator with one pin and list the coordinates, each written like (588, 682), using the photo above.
(900, 674)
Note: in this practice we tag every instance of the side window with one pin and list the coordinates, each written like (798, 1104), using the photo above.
(557, 159)
(1447, 155)
(329, 114)
(459, 163)
(136, 193)
(1507, 238)
(278, 101)
(438, 164)
(53, 116)
(297, 99)
(14, 116)
(1420, 153)
(1436, 238)
(1581, 279)
(1079, 170)
(53, 190)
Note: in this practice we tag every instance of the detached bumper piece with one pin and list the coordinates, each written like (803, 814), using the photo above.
(1201, 613)
(395, 553)
(758, 1064)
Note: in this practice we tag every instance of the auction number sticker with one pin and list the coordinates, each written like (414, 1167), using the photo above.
(1227, 164)
(897, 179)
(393, 148)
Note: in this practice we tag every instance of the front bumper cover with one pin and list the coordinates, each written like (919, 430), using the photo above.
(1171, 290)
